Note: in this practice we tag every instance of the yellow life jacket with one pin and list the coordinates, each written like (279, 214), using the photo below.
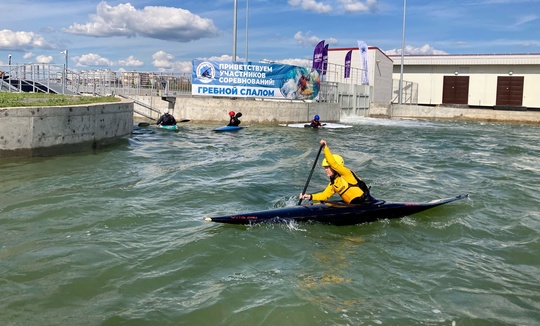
(348, 191)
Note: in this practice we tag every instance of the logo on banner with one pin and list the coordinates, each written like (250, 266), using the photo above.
(205, 72)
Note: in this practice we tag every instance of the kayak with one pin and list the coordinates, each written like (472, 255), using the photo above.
(229, 128)
(327, 125)
(335, 213)
(147, 124)
(171, 127)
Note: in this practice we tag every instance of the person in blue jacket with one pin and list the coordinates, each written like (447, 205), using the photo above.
(315, 123)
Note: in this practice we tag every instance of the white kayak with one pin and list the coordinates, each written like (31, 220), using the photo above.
(327, 125)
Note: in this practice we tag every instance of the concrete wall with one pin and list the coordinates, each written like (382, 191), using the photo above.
(45, 131)
(273, 112)
(381, 75)
(208, 109)
(429, 112)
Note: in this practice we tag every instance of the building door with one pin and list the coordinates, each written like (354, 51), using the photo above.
(456, 90)
(509, 91)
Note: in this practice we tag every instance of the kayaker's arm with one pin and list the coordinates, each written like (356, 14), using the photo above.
(340, 169)
(324, 195)
(320, 196)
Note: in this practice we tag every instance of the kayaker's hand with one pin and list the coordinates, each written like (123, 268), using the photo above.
(323, 142)
(305, 196)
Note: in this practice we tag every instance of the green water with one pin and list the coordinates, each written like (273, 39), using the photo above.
(117, 237)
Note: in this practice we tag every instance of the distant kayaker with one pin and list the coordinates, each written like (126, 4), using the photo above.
(315, 123)
(166, 119)
(342, 181)
(234, 121)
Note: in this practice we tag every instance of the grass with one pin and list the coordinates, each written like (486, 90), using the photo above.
(42, 99)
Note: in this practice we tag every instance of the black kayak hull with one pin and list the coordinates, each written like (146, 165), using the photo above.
(336, 213)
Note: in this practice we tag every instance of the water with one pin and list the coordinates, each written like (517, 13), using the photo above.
(117, 237)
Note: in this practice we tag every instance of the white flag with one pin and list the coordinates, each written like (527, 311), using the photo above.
(363, 48)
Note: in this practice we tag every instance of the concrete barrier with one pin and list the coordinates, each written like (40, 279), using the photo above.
(46, 131)
(469, 114)
(265, 112)
(270, 112)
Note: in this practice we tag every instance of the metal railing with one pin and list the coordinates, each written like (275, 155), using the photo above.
(334, 88)
(409, 92)
(32, 77)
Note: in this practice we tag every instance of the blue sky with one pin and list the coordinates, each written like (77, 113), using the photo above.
(166, 35)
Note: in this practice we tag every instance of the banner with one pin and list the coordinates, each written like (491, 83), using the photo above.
(254, 79)
(363, 48)
(318, 56)
(348, 64)
(325, 60)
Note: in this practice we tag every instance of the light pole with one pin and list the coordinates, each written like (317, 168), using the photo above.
(247, 16)
(234, 30)
(400, 95)
(64, 81)
(9, 76)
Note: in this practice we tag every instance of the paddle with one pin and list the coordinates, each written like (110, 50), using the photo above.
(310, 174)
(146, 124)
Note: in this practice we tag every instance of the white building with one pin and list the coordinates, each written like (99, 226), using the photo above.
(463, 80)
(379, 71)
(473, 80)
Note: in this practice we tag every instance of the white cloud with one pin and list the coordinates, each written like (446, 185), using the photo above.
(358, 6)
(332, 6)
(10, 40)
(223, 57)
(311, 41)
(96, 60)
(182, 66)
(28, 55)
(164, 23)
(162, 59)
(424, 49)
(131, 61)
(527, 44)
(90, 60)
(44, 59)
(311, 5)
(297, 62)
(525, 19)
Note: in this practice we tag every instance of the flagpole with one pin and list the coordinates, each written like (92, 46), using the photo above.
(66, 78)
(234, 30)
(400, 95)
(9, 76)
(247, 16)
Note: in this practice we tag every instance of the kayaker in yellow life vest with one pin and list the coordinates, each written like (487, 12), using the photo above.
(342, 181)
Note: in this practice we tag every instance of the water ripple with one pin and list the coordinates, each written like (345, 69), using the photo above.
(116, 237)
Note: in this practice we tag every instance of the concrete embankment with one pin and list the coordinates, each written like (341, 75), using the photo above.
(46, 131)
(211, 110)
(467, 114)
(274, 112)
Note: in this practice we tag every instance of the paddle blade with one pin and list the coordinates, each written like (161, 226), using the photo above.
(143, 124)
(185, 120)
